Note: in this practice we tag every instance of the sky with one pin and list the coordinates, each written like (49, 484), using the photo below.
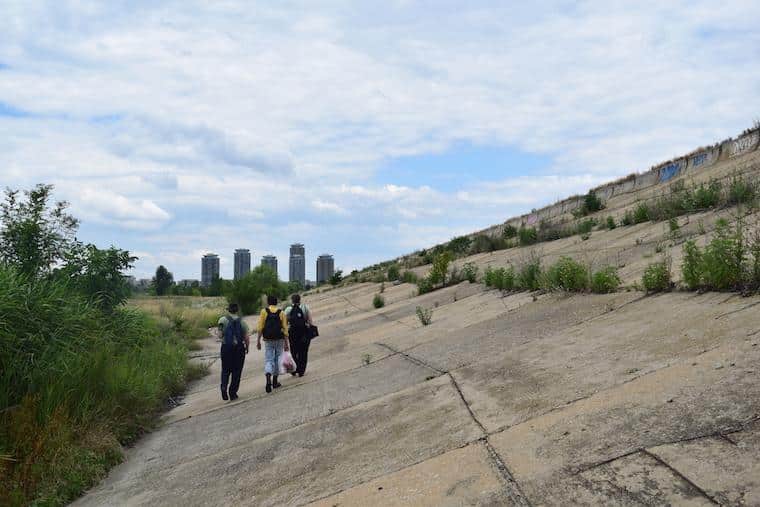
(363, 129)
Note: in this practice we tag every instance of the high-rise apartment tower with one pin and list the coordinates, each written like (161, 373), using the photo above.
(242, 263)
(209, 269)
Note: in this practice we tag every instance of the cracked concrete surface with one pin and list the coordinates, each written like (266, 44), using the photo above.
(598, 400)
(517, 399)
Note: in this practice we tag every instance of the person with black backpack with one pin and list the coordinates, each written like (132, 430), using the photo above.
(273, 327)
(299, 332)
(235, 344)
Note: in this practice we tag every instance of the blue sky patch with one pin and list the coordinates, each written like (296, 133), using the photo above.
(452, 169)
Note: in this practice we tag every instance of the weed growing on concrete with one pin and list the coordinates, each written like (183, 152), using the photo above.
(470, 272)
(500, 278)
(425, 315)
(605, 280)
(393, 272)
(382, 287)
(409, 277)
(610, 223)
(656, 277)
(378, 301)
(566, 274)
(528, 236)
(641, 214)
(366, 359)
(722, 265)
(529, 276)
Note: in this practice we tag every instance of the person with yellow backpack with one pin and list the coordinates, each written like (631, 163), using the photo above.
(273, 327)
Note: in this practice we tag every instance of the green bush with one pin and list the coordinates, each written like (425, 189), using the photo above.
(529, 277)
(394, 272)
(409, 277)
(741, 191)
(641, 214)
(656, 277)
(724, 257)
(470, 272)
(706, 196)
(510, 231)
(424, 285)
(605, 280)
(500, 278)
(566, 274)
(627, 218)
(610, 223)
(425, 315)
(591, 204)
(378, 301)
(586, 226)
(691, 267)
(528, 236)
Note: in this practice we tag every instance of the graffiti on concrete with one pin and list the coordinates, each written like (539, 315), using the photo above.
(532, 219)
(668, 171)
(743, 144)
(702, 159)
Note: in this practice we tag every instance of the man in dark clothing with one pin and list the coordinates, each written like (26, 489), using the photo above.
(299, 322)
(235, 344)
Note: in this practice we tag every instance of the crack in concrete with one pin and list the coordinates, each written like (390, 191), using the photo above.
(418, 362)
(513, 491)
(681, 476)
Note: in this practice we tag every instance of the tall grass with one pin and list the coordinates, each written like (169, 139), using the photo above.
(76, 383)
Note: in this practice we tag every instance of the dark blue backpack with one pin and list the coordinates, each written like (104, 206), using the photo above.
(233, 332)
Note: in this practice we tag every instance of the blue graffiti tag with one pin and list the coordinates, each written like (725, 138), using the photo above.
(669, 171)
(698, 160)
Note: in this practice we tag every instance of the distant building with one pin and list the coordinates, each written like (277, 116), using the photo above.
(242, 263)
(187, 282)
(325, 268)
(271, 261)
(297, 271)
(209, 269)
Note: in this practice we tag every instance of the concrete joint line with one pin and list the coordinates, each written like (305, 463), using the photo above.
(467, 405)
(412, 359)
(513, 490)
(284, 388)
(681, 476)
(738, 310)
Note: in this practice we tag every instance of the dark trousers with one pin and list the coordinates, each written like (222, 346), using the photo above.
(232, 365)
(300, 350)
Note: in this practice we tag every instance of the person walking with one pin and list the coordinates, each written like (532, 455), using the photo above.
(299, 325)
(273, 327)
(235, 344)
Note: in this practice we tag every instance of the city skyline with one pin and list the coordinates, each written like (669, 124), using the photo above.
(246, 256)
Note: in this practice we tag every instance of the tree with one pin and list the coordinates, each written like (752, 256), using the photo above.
(98, 274)
(336, 278)
(440, 268)
(163, 281)
(248, 290)
(34, 235)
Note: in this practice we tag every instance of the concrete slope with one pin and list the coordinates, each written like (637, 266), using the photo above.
(616, 399)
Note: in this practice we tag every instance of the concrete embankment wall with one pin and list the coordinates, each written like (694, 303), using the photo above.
(696, 163)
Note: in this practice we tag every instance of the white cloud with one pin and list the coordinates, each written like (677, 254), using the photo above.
(184, 119)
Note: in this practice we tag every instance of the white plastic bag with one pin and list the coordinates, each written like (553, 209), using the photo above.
(287, 363)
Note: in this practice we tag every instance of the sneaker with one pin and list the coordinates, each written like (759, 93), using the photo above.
(276, 385)
(233, 397)
(224, 395)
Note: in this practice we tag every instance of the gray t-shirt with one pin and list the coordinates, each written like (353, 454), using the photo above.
(225, 319)
(304, 308)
